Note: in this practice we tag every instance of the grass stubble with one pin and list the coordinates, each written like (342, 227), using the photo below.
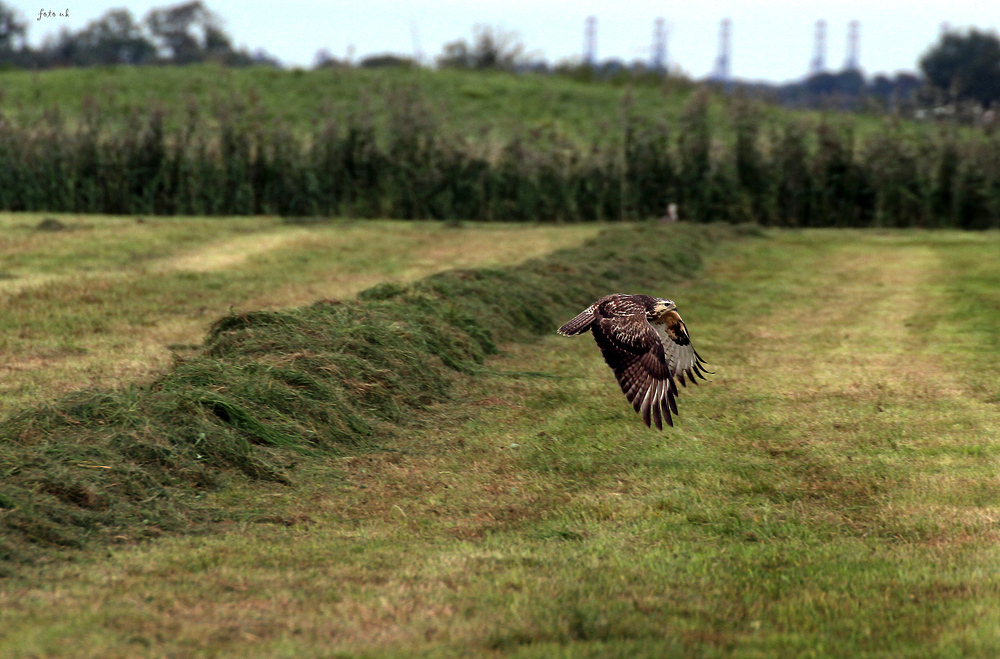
(111, 301)
(267, 388)
(833, 492)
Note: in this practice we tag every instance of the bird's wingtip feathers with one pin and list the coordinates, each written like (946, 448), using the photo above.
(580, 324)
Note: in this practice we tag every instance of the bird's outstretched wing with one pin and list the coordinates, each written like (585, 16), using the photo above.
(633, 350)
(582, 322)
(681, 357)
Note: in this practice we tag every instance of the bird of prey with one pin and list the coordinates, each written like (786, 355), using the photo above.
(646, 344)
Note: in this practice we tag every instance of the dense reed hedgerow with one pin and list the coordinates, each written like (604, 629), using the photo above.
(781, 169)
(269, 389)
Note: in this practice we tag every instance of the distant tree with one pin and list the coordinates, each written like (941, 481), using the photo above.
(456, 55)
(903, 86)
(12, 28)
(848, 83)
(386, 60)
(908, 82)
(115, 38)
(261, 57)
(492, 48)
(190, 32)
(496, 48)
(324, 59)
(13, 31)
(965, 66)
(178, 34)
(610, 67)
(882, 85)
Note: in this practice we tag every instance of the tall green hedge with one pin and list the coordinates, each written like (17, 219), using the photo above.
(233, 162)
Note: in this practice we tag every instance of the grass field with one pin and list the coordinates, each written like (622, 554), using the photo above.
(467, 102)
(462, 145)
(109, 300)
(464, 100)
(832, 492)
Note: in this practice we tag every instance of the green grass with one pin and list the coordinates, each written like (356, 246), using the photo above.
(832, 492)
(111, 300)
(467, 102)
(266, 388)
(453, 145)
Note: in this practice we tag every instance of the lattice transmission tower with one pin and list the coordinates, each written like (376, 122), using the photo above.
(590, 41)
(853, 62)
(818, 62)
(722, 62)
(659, 62)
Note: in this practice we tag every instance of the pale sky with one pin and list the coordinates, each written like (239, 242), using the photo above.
(771, 40)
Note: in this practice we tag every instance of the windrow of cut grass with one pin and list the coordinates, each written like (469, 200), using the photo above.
(270, 389)
(109, 300)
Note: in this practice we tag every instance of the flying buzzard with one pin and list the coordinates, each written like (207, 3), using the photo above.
(646, 344)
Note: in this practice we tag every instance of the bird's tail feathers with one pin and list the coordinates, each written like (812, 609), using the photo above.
(578, 325)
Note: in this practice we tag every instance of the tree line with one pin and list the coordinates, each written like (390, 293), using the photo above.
(185, 33)
(962, 67)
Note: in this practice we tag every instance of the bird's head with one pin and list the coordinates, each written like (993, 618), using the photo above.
(660, 307)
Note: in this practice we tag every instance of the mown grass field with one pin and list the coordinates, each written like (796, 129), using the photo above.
(832, 492)
(110, 300)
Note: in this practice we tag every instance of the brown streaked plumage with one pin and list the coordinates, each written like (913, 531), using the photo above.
(646, 344)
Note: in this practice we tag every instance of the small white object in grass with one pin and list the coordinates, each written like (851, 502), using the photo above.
(515, 445)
